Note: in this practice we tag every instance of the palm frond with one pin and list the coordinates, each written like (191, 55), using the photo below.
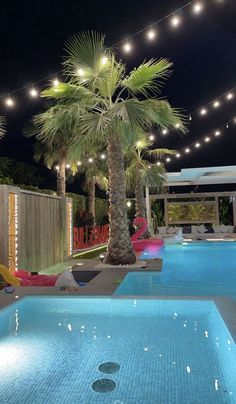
(148, 77)
(156, 153)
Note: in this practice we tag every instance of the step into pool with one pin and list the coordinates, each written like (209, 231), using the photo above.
(116, 351)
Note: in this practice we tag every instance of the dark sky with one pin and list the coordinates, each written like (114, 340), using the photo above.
(203, 50)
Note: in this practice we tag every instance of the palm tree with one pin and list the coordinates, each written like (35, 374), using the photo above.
(56, 124)
(2, 126)
(114, 108)
(141, 173)
(95, 175)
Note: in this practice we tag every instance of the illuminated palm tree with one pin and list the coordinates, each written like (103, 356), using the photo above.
(141, 173)
(113, 108)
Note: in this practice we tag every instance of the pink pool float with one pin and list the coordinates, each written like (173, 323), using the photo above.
(27, 279)
(144, 244)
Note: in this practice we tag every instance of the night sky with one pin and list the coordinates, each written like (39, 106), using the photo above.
(203, 50)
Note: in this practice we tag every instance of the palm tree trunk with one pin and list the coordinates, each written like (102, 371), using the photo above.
(139, 195)
(120, 250)
(61, 178)
(91, 197)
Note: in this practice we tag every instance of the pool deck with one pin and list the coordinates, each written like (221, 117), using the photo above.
(107, 281)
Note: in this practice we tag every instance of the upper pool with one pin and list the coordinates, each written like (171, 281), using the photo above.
(175, 352)
(200, 268)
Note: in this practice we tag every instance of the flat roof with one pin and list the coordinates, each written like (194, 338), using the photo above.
(203, 176)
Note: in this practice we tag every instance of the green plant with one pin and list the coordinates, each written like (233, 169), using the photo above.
(108, 107)
(175, 212)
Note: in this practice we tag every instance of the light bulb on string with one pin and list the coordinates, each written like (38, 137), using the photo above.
(57, 168)
(9, 102)
(67, 166)
(127, 47)
(151, 137)
(175, 21)
(90, 160)
(207, 139)
(227, 126)
(229, 96)
(177, 125)
(197, 7)
(34, 93)
(187, 150)
(217, 133)
(165, 131)
(103, 156)
(178, 155)
(190, 118)
(168, 159)
(216, 104)
(158, 163)
(203, 111)
(151, 34)
(197, 145)
(104, 60)
(79, 163)
(80, 72)
(55, 82)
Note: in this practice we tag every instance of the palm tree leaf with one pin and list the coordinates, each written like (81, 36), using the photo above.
(2, 126)
(148, 77)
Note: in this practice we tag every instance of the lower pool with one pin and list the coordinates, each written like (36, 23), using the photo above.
(52, 349)
(200, 269)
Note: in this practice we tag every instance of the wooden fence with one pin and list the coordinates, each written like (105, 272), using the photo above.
(85, 237)
(35, 229)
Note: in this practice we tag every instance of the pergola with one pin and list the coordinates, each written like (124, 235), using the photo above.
(191, 177)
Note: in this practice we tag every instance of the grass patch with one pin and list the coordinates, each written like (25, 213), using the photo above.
(87, 255)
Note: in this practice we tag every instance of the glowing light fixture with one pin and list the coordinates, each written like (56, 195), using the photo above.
(9, 102)
(158, 163)
(165, 131)
(151, 137)
(55, 82)
(217, 133)
(187, 150)
(203, 111)
(197, 145)
(151, 34)
(197, 7)
(216, 104)
(177, 125)
(34, 93)
(127, 47)
(129, 204)
(104, 60)
(79, 163)
(207, 139)
(103, 156)
(178, 155)
(168, 159)
(57, 168)
(175, 21)
(67, 165)
(80, 72)
(229, 96)
(90, 160)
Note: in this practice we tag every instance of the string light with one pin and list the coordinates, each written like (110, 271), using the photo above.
(165, 131)
(178, 155)
(127, 47)
(217, 133)
(80, 72)
(158, 163)
(168, 159)
(151, 34)
(203, 111)
(55, 82)
(9, 102)
(151, 137)
(187, 150)
(216, 104)
(68, 166)
(175, 21)
(57, 168)
(229, 96)
(103, 156)
(104, 60)
(79, 163)
(207, 139)
(197, 145)
(197, 7)
(34, 93)
(90, 160)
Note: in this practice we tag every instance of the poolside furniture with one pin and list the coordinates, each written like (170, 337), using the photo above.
(199, 232)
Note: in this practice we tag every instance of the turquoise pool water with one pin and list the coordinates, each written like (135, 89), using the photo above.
(168, 352)
(200, 268)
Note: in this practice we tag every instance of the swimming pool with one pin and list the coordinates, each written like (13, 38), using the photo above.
(163, 352)
(200, 268)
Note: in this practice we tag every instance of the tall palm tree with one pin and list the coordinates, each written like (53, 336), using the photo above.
(114, 108)
(140, 172)
(2, 126)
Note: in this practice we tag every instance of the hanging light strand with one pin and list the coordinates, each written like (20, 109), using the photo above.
(198, 144)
